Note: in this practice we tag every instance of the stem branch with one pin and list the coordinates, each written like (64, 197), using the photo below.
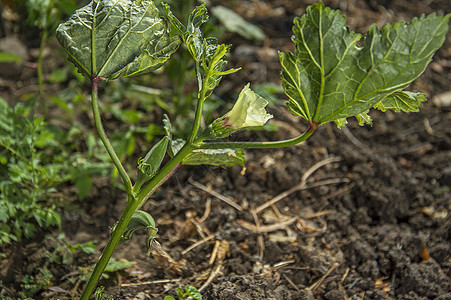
(115, 238)
(200, 104)
(104, 138)
(259, 145)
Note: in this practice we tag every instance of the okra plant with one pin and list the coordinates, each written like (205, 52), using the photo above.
(334, 74)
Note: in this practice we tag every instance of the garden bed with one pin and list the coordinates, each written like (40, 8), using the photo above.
(352, 213)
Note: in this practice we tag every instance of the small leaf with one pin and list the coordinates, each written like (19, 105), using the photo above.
(193, 292)
(215, 56)
(402, 101)
(117, 265)
(174, 21)
(235, 23)
(140, 219)
(206, 51)
(180, 293)
(9, 57)
(117, 38)
(192, 33)
(150, 164)
(364, 118)
(330, 77)
(167, 126)
(216, 157)
(58, 75)
(151, 234)
(83, 185)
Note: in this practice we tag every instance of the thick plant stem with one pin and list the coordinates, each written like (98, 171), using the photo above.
(132, 205)
(104, 138)
(116, 235)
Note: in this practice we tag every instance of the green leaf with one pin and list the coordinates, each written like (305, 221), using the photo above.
(330, 77)
(193, 292)
(140, 219)
(117, 265)
(58, 75)
(174, 21)
(9, 57)
(191, 34)
(206, 51)
(150, 164)
(117, 38)
(167, 126)
(402, 101)
(235, 23)
(216, 157)
(214, 65)
(84, 185)
(363, 118)
(180, 293)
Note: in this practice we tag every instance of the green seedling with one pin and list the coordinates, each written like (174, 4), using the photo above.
(189, 293)
(329, 78)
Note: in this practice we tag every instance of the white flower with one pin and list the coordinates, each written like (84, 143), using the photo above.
(249, 110)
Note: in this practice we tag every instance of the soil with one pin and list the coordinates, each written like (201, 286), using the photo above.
(362, 212)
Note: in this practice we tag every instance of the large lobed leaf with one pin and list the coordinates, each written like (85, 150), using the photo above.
(330, 77)
(117, 38)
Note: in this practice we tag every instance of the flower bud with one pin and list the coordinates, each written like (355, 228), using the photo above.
(249, 110)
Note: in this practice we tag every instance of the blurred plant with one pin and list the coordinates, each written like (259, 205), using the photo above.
(189, 293)
(31, 285)
(321, 87)
(27, 176)
(99, 294)
(46, 15)
(35, 158)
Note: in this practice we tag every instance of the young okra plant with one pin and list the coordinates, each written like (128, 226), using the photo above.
(333, 74)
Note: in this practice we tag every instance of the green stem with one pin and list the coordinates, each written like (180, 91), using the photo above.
(116, 235)
(104, 138)
(200, 104)
(132, 205)
(259, 145)
(164, 173)
(136, 200)
(39, 73)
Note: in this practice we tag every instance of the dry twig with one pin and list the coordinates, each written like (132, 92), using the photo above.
(198, 243)
(215, 194)
(260, 241)
(299, 186)
(207, 210)
(161, 281)
(222, 251)
(320, 281)
(267, 228)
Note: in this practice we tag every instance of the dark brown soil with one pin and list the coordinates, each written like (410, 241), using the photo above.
(372, 222)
